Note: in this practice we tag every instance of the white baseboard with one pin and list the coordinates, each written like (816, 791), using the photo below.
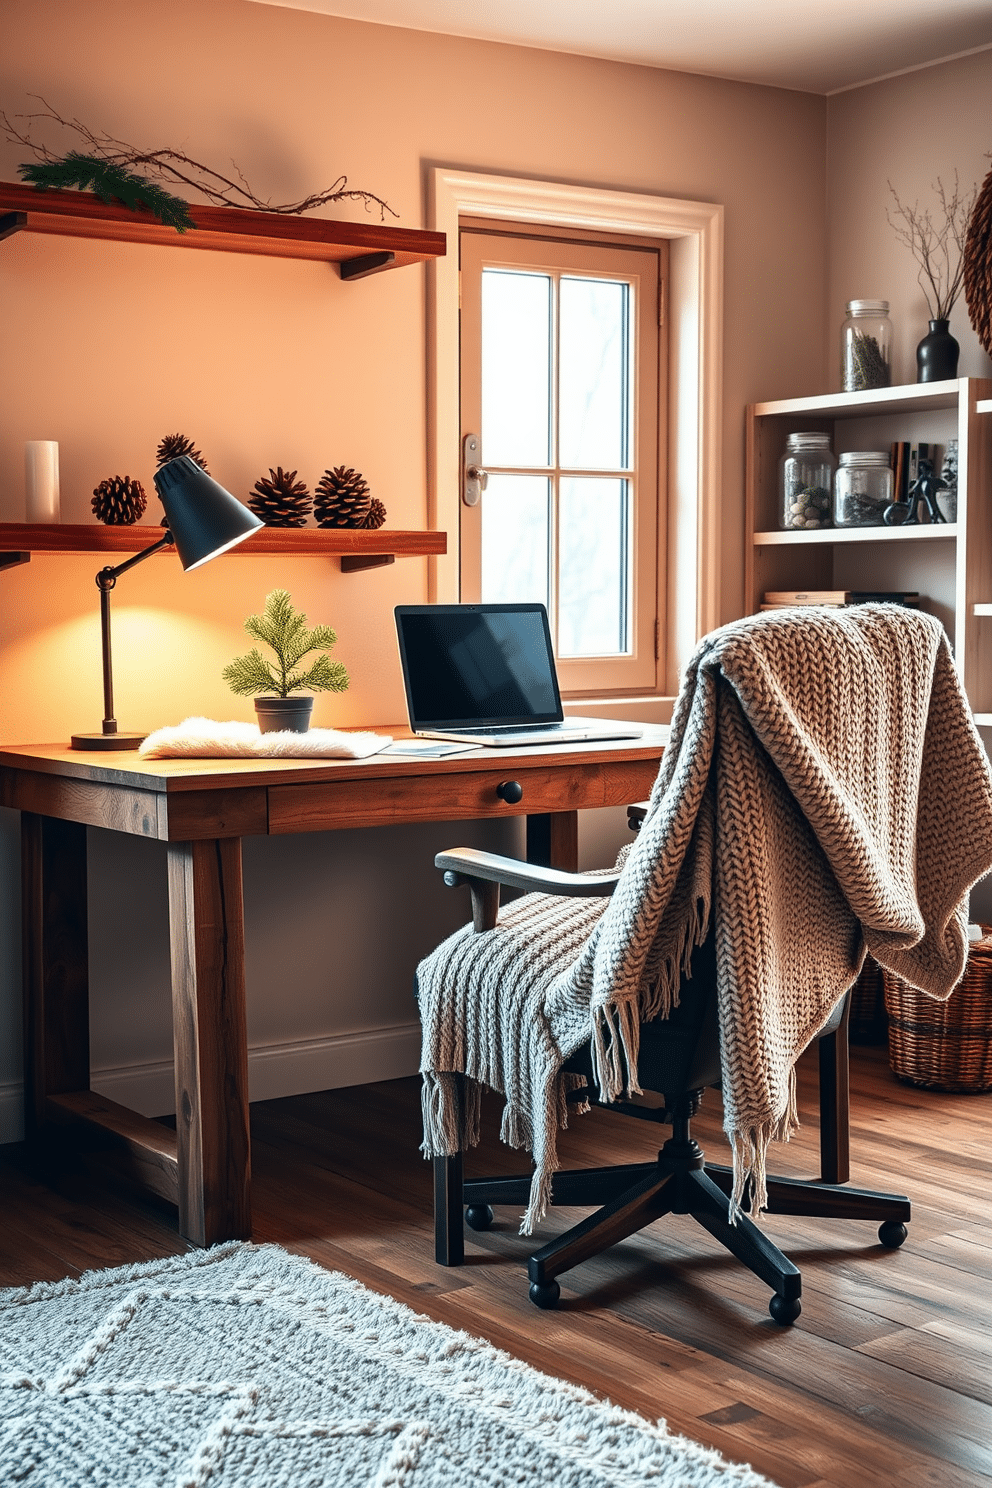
(274, 1070)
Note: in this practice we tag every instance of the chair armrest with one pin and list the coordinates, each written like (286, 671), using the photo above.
(467, 862)
(483, 873)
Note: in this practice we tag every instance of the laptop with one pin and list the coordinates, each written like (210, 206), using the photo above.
(485, 674)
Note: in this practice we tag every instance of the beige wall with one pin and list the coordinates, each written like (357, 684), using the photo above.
(909, 131)
(107, 347)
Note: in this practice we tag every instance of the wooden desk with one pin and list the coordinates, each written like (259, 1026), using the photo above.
(202, 809)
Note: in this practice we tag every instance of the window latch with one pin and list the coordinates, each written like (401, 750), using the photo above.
(474, 478)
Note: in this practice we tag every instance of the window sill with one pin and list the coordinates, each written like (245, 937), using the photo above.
(636, 709)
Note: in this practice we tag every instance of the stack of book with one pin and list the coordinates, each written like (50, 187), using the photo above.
(784, 599)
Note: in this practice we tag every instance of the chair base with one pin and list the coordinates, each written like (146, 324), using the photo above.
(635, 1195)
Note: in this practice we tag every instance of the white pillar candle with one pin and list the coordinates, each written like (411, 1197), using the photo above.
(41, 480)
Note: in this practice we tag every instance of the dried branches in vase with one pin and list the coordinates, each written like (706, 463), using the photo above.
(116, 170)
(936, 240)
(937, 246)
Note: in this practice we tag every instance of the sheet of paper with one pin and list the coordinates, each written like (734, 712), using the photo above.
(426, 748)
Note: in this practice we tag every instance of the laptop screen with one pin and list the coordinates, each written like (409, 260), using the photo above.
(477, 666)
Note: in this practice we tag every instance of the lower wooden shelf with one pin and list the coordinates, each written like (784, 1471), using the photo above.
(356, 549)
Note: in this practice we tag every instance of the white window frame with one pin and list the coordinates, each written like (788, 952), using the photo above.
(695, 328)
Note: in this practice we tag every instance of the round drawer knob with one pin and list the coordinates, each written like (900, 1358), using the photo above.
(510, 791)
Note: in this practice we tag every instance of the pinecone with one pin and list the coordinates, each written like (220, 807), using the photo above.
(118, 501)
(343, 499)
(377, 514)
(281, 500)
(177, 444)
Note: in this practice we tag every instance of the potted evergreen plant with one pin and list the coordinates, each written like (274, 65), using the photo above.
(285, 631)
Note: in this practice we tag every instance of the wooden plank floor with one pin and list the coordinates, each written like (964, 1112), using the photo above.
(885, 1379)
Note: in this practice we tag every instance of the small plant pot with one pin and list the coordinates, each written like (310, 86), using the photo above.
(276, 713)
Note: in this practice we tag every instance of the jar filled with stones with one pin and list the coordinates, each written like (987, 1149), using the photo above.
(862, 488)
(806, 482)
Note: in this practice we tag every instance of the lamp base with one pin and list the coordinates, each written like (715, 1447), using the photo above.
(106, 741)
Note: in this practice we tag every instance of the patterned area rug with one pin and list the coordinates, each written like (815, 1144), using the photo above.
(245, 1365)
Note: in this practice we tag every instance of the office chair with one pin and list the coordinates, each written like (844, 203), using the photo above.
(824, 790)
(679, 1058)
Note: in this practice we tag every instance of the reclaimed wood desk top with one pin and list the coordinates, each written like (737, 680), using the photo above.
(184, 799)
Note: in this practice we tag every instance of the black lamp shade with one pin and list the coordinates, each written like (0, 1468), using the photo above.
(203, 518)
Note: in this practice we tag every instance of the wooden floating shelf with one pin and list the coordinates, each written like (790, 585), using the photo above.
(357, 550)
(922, 533)
(358, 248)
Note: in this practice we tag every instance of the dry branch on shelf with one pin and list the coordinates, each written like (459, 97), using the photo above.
(121, 161)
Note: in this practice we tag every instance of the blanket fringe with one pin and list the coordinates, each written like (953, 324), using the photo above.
(750, 1156)
(540, 1198)
(515, 1128)
(452, 1112)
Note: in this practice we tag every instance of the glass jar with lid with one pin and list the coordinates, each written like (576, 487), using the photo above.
(866, 346)
(806, 475)
(863, 488)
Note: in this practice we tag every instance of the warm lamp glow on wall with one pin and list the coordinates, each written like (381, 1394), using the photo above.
(203, 521)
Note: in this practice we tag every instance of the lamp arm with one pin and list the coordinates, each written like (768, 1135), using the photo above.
(107, 577)
(105, 581)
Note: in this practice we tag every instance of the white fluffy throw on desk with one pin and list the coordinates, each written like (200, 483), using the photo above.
(824, 791)
(203, 738)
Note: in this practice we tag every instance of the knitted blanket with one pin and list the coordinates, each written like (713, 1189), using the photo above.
(824, 792)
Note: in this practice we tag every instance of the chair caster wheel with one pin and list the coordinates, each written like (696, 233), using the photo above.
(784, 1310)
(545, 1295)
(478, 1216)
(891, 1234)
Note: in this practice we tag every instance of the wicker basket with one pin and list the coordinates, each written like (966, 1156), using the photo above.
(868, 1022)
(945, 1045)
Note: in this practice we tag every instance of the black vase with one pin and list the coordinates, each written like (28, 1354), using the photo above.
(937, 354)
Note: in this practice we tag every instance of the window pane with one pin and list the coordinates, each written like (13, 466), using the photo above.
(593, 567)
(595, 375)
(516, 368)
(515, 531)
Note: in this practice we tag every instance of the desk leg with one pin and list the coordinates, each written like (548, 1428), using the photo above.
(55, 957)
(206, 916)
(553, 840)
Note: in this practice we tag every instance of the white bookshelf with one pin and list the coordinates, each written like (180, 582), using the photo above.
(950, 564)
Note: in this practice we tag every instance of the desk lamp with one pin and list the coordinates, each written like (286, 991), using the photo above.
(202, 520)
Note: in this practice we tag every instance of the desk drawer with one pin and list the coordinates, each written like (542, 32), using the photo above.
(459, 796)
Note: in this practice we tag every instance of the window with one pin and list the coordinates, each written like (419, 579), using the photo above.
(562, 377)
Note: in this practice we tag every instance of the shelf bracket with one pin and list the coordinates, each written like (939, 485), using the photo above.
(365, 263)
(11, 222)
(355, 562)
(11, 560)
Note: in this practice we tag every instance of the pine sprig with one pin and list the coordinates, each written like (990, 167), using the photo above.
(247, 675)
(111, 182)
(284, 630)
